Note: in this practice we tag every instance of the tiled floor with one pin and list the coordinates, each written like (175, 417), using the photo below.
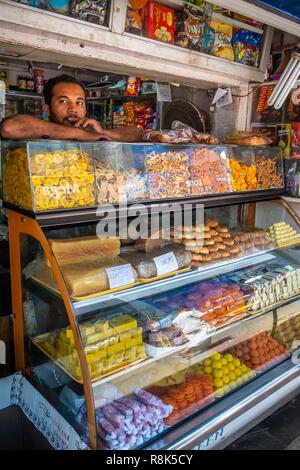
(279, 431)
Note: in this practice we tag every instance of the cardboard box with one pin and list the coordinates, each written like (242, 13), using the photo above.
(261, 112)
(160, 22)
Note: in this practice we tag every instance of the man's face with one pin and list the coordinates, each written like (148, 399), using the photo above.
(67, 104)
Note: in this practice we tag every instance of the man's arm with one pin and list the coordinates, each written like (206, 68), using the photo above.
(29, 127)
(120, 134)
(125, 134)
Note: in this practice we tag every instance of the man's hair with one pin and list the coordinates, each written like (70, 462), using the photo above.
(48, 88)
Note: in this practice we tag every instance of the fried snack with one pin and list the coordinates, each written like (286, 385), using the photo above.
(267, 175)
(59, 179)
(208, 172)
(169, 175)
(115, 186)
(243, 176)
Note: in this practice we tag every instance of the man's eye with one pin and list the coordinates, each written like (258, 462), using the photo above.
(63, 101)
(80, 103)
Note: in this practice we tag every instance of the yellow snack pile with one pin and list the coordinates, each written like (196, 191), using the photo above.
(109, 346)
(243, 176)
(60, 179)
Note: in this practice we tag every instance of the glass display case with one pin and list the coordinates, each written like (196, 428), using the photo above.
(64, 175)
(160, 364)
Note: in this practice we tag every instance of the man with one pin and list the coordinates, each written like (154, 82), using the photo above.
(65, 105)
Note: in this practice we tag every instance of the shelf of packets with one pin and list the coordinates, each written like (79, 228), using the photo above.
(54, 175)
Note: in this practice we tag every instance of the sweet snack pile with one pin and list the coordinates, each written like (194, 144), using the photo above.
(243, 176)
(226, 370)
(268, 176)
(109, 345)
(250, 239)
(210, 243)
(260, 351)
(282, 234)
(187, 396)
(56, 179)
(116, 186)
(288, 331)
(209, 172)
(127, 423)
(168, 174)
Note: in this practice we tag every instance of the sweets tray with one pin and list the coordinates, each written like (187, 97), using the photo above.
(38, 342)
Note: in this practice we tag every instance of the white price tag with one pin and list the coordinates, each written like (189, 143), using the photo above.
(119, 276)
(166, 263)
(164, 92)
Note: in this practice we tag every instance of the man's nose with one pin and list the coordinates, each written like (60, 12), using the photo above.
(72, 107)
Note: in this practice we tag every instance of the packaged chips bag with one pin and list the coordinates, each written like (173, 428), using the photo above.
(189, 28)
(246, 47)
(94, 11)
(222, 44)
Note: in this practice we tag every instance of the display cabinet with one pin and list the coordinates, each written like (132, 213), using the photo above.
(158, 342)
(64, 175)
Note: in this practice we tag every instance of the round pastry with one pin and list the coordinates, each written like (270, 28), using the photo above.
(197, 257)
(212, 223)
(228, 242)
(218, 239)
(222, 229)
(209, 242)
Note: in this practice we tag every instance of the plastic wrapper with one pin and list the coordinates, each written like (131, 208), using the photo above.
(170, 336)
(208, 39)
(94, 11)
(287, 331)
(218, 302)
(191, 392)
(269, 284)
(226, 371)
(189, 28)
(251, 239)
(145, 265)
(209, 171)
(260, 352)
(180, 134)
(83, 249)
(82, 279)
(168, 173)
(246, 46)
(292, 178)
(213, 303)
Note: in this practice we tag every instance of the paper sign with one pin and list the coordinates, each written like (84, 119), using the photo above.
(166, 263)
(164, 92)
(119, 276)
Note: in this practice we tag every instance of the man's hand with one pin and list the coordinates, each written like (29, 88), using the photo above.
(90, 125)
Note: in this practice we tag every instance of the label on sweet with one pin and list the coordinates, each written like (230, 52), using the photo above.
(119, 276)
(166, 263)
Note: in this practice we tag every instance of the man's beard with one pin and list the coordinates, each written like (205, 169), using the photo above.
(69, 121)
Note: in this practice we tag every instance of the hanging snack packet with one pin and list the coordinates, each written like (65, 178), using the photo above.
(222, 45)
(189, 28)
(92, 11)
(246, 47)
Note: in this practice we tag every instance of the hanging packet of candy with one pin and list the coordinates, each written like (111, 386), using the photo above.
(133, 86)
